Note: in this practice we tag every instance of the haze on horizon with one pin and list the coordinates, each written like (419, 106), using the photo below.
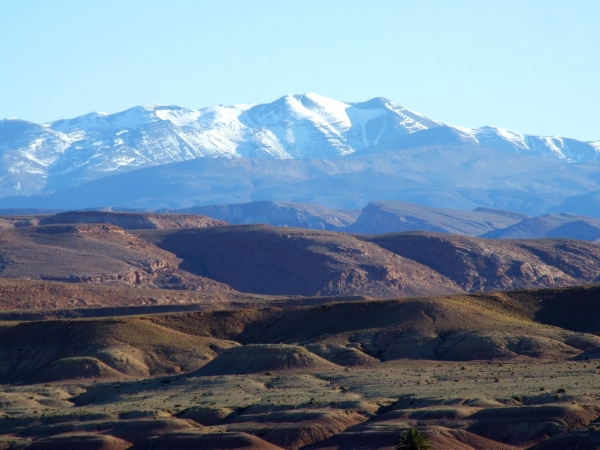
(530, 67)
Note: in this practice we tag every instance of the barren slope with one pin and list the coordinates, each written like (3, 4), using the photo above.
(92, 254)
(101, 349)
(484, 264)
(270, 260)
(472, 371)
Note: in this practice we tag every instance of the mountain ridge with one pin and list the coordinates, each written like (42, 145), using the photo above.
(37, 158)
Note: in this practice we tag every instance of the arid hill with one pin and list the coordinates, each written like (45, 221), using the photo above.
(100, 254)
(459, 328)
(485, 265)
(41, 299)
(474, 372)
(293, 261)
(500, 371)
(133, 221)
(269, 260)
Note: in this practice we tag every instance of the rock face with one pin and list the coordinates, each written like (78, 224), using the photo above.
(551, 226)
(387, 217)
(133, 221)
(269, 260)
(280, 214)
(484, 264)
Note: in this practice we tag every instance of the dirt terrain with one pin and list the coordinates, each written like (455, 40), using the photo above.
(260, 337)
(485, 371)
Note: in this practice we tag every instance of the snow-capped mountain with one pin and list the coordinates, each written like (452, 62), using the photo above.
(36, 158)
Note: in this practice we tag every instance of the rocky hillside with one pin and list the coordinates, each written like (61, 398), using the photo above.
(485, 265)
(97, 254)
(291, 261)
(270, 260)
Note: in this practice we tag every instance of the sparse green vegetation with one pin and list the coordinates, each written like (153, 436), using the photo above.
(413, 439)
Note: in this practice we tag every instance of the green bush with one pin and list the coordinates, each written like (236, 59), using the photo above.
(413, 439)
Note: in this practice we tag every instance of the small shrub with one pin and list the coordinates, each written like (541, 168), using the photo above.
(561, 391)
(413, 439)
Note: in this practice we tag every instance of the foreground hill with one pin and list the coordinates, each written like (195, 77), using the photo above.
(456, 328)
(487, 371)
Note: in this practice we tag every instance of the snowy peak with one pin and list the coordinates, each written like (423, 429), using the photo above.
(569, 150)
(69, 152)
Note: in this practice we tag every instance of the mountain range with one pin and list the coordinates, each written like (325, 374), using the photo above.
(302, 148)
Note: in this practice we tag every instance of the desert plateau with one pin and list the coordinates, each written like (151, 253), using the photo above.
(164, 331)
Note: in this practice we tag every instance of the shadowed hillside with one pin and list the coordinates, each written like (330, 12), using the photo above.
(270, 260)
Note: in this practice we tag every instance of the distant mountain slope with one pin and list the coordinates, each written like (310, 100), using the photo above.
(38, 158)
(584, 204)
(133, 221)
(461, 177)
(300, 215)
(550, 226)
(387, 217)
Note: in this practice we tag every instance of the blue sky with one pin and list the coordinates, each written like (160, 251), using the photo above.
(530, 66)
